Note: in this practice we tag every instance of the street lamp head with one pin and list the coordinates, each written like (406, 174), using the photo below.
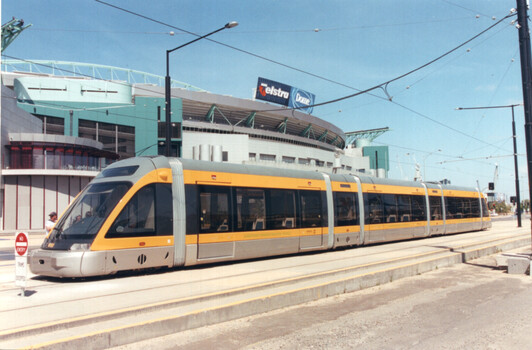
(231, 24)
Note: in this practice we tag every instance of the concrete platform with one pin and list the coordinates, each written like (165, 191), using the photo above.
(105, 312)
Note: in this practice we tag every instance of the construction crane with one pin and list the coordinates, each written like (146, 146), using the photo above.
(11, 30)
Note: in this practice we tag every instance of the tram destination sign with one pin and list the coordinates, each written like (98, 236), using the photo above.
(286, 95)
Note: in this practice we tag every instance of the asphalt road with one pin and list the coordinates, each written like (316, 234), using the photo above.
(467, 306)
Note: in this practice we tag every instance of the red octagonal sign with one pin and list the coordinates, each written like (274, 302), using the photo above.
(21, 244)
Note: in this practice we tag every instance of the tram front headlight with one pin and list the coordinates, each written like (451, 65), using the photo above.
(80, 246)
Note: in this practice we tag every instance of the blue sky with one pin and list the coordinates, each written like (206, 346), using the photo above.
(359, 44)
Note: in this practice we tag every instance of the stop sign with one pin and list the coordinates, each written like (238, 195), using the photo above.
(21, 244)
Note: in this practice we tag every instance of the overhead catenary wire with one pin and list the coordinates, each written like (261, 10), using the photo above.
(372, 26)
(466, 8)
(102, 31)
(360, 92)
(306, 72)
(382, 85)
(254, 32)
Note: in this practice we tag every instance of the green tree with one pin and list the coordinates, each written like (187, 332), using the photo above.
(500, 207)
(525, 205)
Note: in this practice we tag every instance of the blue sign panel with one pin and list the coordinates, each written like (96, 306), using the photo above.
(301, 100)
(272, 91)
(286, 95)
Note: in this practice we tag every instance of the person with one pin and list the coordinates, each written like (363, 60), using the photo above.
(50, 222)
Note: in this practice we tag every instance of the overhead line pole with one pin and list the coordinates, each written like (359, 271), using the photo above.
(524, 48)
(514, 137)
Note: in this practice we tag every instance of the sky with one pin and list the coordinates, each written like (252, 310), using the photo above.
(332, 49)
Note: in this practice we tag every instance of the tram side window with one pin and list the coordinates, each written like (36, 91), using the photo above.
(454, 207)
(449, 207)
(192, 209)
(164, 213)
(435, 208)
(475, 207)
(311, 211)
(345, 209)
(148, 213)
(390, 207)
(250, 209)
(281, 213)
(462, 208)
(214, 209)
(466, 208)
(485, 211)
(375, 206)
(419, 208)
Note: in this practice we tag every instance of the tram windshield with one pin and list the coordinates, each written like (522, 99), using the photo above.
(86, 215)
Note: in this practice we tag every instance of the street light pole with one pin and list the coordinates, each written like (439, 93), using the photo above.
(517, 191)
(167, 86)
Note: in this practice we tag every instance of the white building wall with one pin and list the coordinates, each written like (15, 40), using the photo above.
(37, 202)
(241, 148)
(10, 211)
(24, 201)
(355, 158)
(50, 195)
(280, 150)
(33, 197)
(236, 146)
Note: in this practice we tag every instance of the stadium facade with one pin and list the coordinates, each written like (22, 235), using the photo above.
(58, 131)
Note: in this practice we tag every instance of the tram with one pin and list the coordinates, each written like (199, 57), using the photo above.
(149, 212)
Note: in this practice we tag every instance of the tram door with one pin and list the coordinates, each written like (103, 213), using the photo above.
(312, 219)
(214, 240)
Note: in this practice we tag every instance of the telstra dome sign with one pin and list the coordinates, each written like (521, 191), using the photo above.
(286, 95)
(301, 99)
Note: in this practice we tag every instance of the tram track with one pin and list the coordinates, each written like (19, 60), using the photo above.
(324, 257)
(441, 249)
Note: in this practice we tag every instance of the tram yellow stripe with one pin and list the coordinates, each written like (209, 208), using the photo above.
(463, 221)
(455, 193)
(344, 186)
(392, 189)
(246, 180)
(346, 229)
(395, 225)
(255, 235)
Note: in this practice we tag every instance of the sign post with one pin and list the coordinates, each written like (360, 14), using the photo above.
(21, 260)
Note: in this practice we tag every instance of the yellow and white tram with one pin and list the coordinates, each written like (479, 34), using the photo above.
(155, 211)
